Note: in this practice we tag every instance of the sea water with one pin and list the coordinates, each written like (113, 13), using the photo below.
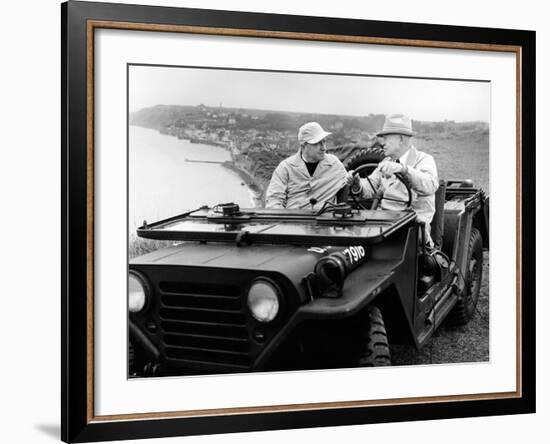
(163, 183)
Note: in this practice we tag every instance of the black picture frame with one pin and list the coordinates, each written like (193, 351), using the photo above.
(78, 423)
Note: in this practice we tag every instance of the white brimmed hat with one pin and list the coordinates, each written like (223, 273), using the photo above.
(311, 132)
(397, 124)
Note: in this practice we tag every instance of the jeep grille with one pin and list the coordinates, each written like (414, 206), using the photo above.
(204, 324)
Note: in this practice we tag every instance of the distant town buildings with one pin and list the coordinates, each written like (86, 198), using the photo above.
(222, 129)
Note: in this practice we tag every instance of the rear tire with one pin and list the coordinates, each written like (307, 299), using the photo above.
(465, 308)
(375, 350)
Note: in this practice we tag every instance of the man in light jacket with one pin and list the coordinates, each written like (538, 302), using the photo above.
(309, 178)
(418, 169)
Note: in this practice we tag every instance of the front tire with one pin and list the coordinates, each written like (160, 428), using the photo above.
(132, 371)
(465, 308)
(375, 350)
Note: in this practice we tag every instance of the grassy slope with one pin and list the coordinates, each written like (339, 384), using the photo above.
(459, 155)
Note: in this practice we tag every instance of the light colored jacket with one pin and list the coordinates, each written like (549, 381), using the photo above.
(423, 180)
(291, 186)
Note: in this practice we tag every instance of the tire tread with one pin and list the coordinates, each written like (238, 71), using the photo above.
(375, 349)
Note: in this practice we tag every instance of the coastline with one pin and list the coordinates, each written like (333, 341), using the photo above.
(253, 185)
(256, 192)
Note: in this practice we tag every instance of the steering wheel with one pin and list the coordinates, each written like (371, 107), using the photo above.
(379, 196)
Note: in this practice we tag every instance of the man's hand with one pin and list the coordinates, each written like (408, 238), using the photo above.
(353, 181)
(387, 168)
(352, 178)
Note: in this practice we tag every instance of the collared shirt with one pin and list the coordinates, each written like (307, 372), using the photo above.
(292, 186)
(422, 177)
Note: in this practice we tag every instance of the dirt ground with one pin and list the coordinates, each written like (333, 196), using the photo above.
(450, 344)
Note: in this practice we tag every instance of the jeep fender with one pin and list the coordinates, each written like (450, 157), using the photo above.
(361, 287)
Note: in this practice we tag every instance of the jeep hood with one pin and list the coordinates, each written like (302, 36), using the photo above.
(289, 260)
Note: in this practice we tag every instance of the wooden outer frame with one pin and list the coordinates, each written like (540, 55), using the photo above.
(79, 20)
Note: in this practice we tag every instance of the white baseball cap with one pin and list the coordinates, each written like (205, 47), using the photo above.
(311, 132)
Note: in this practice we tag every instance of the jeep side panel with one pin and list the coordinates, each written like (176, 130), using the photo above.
(463, 210)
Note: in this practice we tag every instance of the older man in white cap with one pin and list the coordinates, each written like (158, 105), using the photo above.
(416, 167)
(309, 178)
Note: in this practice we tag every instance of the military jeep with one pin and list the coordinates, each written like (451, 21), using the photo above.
(259, 289)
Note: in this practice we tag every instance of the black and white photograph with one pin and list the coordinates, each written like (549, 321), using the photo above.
(277, 221)
(283, 221)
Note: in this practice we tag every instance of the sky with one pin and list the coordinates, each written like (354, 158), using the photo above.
(420, 99)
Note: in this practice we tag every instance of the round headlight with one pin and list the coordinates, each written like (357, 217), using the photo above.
(263, 300)
(137, 293)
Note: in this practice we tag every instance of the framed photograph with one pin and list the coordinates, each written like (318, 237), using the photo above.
(275, 221)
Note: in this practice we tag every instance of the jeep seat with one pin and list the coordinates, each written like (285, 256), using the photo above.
(438, 219)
